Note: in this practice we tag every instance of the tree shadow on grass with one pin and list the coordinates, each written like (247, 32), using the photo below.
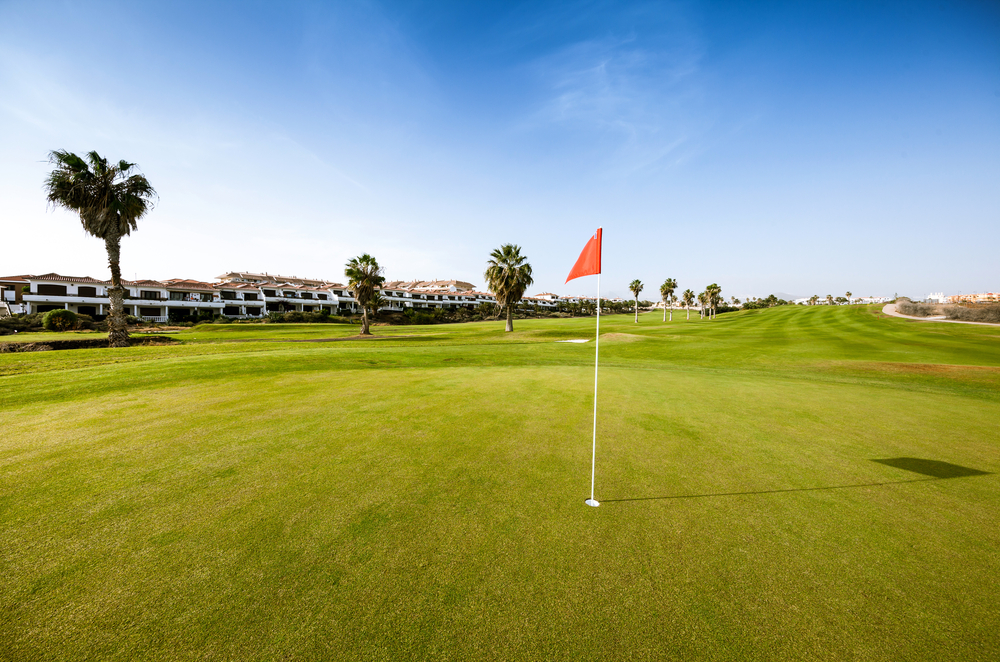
(933, 469)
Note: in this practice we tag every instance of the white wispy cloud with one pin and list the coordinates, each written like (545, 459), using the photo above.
(640, 100)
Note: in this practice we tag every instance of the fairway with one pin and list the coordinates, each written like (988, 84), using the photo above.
(792, 483)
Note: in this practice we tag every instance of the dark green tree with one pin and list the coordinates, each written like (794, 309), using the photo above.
(508, 276)
(364, 278)
(110, 199)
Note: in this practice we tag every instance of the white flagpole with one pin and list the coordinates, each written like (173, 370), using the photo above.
(597, 353)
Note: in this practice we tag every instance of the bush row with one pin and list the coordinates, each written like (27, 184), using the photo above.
(987, 313)
(53, 320)
(907, 307)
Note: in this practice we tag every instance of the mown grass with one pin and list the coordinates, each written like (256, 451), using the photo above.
(245, 496)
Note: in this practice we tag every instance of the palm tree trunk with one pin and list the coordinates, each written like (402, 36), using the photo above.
(117, 326)
(688, 309)
(671, 311)
(364, 321)
(510, 319)
(637, 310)
(664, 311)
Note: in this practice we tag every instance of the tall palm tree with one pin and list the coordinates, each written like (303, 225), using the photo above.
(364, 278)
(110, 199)
(714, 295)
(667, 294)
(636, 287)
(702, 302)
(508, 275)
(688, 299)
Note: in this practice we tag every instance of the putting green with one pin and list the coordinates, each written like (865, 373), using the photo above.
(796, 483)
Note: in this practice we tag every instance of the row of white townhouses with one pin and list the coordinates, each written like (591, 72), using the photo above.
(237, 294)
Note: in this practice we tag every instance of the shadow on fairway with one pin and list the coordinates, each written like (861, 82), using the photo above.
(934, 469)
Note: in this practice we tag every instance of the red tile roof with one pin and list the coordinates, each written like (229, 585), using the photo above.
(69, 279)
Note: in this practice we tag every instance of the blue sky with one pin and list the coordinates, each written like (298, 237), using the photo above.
(804, 148)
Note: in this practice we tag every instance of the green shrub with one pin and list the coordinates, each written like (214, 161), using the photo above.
(59, 319)
(275, 316)
(294, 316)
(20, 323)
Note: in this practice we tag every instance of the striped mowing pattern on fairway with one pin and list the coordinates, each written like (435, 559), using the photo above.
(793, 483)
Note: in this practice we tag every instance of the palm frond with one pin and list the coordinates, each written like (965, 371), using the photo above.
(109, 199)
(508, 274)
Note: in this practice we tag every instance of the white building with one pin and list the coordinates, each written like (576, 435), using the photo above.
(242, 295)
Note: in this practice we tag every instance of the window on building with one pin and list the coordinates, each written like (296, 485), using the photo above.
(86, 291)
(52, 290)
(177, 296)
(149, 295)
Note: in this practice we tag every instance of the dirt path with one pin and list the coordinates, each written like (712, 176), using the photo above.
(890, 309)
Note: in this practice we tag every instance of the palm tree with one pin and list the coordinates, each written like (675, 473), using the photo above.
(636, 287)
(702, 302)
(667, 294)
(848, 297)
(829, 299)
(508, 275)
(110, 199)
(714, 295)
(813, 299)
(688, 299)
(364, 278)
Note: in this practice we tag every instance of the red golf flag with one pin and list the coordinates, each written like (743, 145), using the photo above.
(589, 262)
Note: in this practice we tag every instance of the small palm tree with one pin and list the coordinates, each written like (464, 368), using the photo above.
(508, 276)
(687, 299)
(110, 199)
(829, 299)
(364, 278)
(636, 287)
(813, 299)
(848, 297)
(667, 294)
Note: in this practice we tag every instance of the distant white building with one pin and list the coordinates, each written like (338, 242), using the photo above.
(936, 297)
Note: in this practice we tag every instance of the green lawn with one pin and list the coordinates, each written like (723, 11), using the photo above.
(249, 496)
